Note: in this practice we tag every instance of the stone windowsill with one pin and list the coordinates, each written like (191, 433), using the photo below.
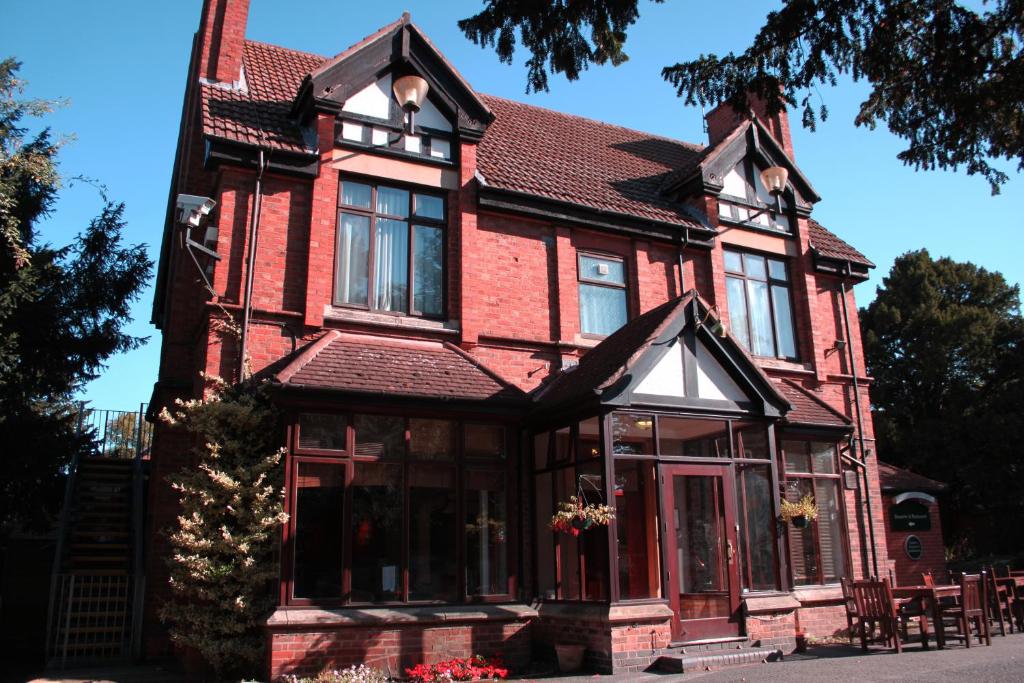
(394, 322)
(777, 602)
(787, 365)
(598, 612)
(292, 617)
(810, 594)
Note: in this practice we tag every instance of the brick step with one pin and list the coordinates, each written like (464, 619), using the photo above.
(83, 614)
(94, 630)
(706, 660)
(91, 571)
(99, 546)
(98, 533)
(90, 599)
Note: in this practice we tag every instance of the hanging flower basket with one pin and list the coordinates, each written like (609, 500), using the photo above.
(575, 515)
(800, 513)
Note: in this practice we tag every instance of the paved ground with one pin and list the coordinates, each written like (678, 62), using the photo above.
(1002, 662)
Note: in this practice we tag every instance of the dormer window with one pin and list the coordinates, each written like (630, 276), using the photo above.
(744, 195)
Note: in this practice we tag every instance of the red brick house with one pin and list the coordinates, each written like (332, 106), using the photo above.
(475, 308)
(913, 525)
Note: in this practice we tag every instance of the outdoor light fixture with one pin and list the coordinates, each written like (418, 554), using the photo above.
(774, 180)
(643, 423)
(410, 91)
(715, 326)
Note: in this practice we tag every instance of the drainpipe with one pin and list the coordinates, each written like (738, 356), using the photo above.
(682, 245)
(862, 463)
(254, 221)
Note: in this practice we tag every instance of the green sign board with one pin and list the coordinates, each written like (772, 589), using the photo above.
(910, 515)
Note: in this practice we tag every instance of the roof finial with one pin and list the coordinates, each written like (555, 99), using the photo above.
(406, 17)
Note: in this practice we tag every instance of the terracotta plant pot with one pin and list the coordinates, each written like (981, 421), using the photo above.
(801, 522)
(570, 657)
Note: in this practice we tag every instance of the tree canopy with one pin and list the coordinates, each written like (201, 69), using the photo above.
(944, 342)
(947, 79)
(63, 310)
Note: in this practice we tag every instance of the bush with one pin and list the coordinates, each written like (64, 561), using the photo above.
(353, 674)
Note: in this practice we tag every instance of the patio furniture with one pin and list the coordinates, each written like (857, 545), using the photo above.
(876, 606)
(1002, 595)
(933, 598)
(972, 609)
(851, 607)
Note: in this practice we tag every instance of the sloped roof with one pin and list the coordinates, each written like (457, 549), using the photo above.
(897, 480)
(526, 148)
(808, 409)
(365, 364)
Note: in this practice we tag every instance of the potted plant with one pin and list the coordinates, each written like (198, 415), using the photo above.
(576, 515)
(800, 513)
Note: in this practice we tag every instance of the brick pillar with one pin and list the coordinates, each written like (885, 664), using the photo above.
(472, 269)
(322, 227)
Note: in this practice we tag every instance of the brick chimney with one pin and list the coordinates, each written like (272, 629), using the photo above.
(723, 119)
(221, 40)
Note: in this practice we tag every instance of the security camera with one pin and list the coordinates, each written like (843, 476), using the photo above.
(191, 208)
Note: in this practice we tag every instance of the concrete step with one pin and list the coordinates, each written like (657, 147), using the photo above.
(716, 659)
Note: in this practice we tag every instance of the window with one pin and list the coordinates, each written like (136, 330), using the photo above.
(760, 313)
(417, 490)
(816, 552)
(602, 294)
(744, 195)
(390, 249)
(636, 512)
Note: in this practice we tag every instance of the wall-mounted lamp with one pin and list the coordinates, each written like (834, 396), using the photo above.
(774, 180)
(410, 91)
(715, 326)
(837, 347)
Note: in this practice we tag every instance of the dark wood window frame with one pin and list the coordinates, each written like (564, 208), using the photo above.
(580, 279)
(752, 203)
(461, 463)
(412, 220)
(813, 477)
(770, 282)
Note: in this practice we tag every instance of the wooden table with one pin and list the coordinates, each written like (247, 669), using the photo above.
(930, 595)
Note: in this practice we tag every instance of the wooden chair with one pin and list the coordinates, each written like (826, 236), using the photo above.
(1005, 601)
(875, 606)
(851, 607)
(972, 608)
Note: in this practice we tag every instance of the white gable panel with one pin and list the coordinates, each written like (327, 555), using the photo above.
(713, 381)
(734, 184)
(430, 117)
(373, 100)
(666, 377)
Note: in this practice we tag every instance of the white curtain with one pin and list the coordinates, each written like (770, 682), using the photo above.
(392, 265)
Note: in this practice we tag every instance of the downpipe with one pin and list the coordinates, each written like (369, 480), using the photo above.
(254, 222)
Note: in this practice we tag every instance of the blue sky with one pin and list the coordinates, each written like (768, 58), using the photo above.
(122, 65)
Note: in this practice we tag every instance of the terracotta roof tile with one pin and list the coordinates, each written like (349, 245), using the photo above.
(364, 364)
(807, 409)
(829, 245)
(582, 161)
(897, 480)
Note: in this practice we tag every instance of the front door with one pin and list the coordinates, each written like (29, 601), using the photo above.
(700, 546)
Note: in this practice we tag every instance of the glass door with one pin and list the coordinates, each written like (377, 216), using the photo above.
(700, 545)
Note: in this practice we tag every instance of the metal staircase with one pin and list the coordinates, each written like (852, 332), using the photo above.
(97, 583)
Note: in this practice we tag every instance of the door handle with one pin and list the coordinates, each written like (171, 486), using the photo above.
(729, 550)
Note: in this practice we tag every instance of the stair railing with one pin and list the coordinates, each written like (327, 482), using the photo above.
(137, 534)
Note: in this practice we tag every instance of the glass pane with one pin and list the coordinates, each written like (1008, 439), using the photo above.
(393, 202)
(391, 265)
(824, 456)
(830, 538)
(754, 267)
(485, 441)
(777, 269)
(636, 514)
(355, 194)
(432, 564)
(568, 546)
(590, 438)
(380, 435)
(760, 319)
(602, 269)
(756, 527)
(486, 534)
(594, 540)
(429, 206)
(693, 438)
(733, 262)
(632, 434)
(540, 450)
(699, 524)
(797, 459)
(563, 445)
(322, 432)
(376, 532)
(784, 321)
(431, 439)
(602, 309)
(428, 270)
(545, 538)
(353, 259)
(751, 440)
(319, 530)
(803, 554)
(738, 310)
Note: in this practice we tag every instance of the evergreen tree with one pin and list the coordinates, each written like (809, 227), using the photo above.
(947, 78)
(63, 312)
(232, 503)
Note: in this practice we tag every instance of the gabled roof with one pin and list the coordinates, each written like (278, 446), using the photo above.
(807, 409)
(612, 371)
(367, 365)
(897, 480)
(825, 243)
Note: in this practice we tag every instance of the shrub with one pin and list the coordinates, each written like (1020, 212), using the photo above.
(353, 674)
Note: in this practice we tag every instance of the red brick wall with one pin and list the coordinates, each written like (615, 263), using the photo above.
(933, 557)
(394, 648)
(773, 630)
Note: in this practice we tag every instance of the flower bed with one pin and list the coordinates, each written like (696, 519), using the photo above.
(475, 668)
